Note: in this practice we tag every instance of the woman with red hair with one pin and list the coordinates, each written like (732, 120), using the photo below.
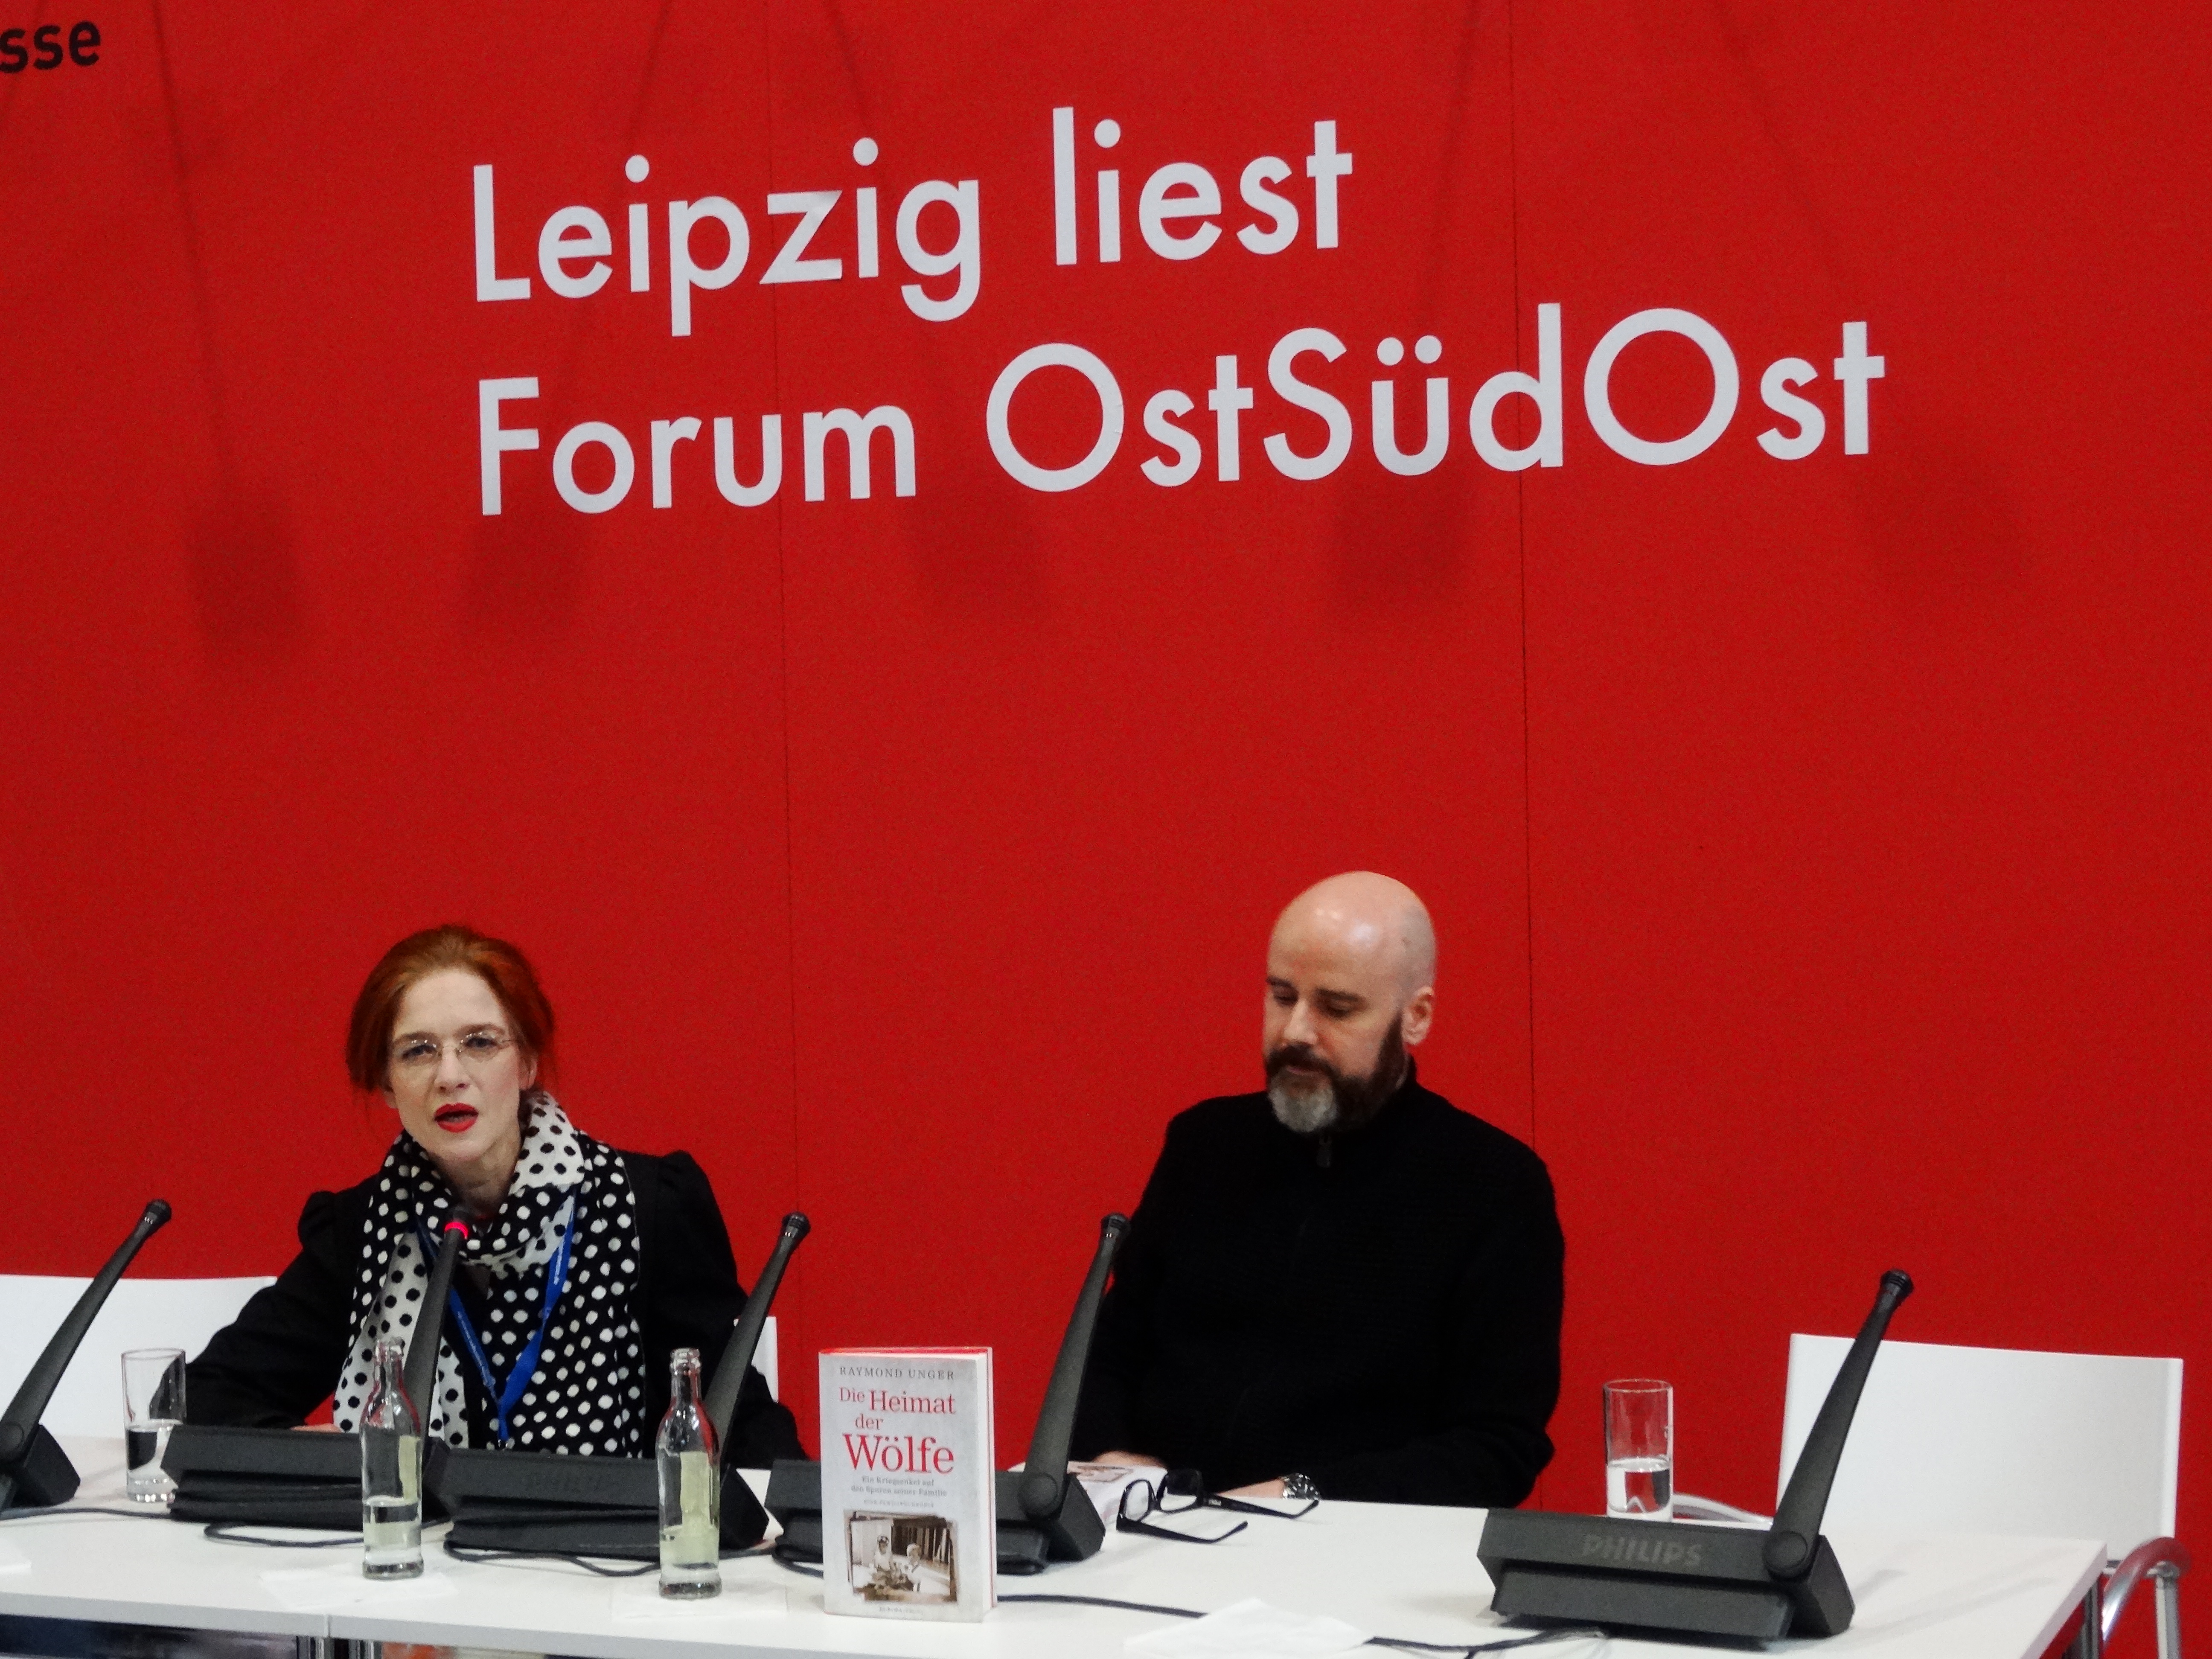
(583, 1265)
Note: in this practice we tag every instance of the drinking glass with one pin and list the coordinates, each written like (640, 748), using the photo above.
(1640, 1449)
(153, 1404)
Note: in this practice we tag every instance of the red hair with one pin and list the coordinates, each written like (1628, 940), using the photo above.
(494, 961)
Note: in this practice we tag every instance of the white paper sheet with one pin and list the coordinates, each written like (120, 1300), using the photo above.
(641, 1598)
(12, 1559)
(1249, 1630)
(340, 1584)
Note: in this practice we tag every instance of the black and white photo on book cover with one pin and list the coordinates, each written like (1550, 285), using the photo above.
(902, 1558)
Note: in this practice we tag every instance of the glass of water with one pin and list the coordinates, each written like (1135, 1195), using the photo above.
(1640, 1449)
(153, 1404)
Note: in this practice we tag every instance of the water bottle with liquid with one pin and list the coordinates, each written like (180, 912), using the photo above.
(391, 1471)
(691, 1486)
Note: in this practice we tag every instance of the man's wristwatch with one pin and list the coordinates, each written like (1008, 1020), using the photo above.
(1300, 1486)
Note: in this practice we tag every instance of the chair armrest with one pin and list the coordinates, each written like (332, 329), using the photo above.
(2159, 1557)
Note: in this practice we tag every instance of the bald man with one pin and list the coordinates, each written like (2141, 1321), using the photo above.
(1342, 1285)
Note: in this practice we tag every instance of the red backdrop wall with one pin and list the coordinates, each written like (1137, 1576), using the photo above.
(1817, 845)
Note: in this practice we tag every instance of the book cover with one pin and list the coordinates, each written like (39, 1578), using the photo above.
(909, 1522)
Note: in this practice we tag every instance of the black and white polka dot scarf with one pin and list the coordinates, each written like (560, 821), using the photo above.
(586, 1394)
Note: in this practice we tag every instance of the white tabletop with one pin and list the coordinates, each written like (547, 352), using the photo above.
(149, 1571)
(1392, 1571)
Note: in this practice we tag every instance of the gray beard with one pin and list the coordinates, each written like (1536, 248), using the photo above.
(1304, 1109)
(1329, 1103)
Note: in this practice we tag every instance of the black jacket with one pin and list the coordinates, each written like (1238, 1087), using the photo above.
(280, 1358)
(1378, 1310)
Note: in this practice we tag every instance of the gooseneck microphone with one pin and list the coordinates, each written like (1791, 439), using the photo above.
(1789, 1548)
(729, 1378)
(1042, 1516)
(1627, 1573)
(30, 1458)
(421, 1374)
(280, 1478)
(1044, 1472)
(540, 1501)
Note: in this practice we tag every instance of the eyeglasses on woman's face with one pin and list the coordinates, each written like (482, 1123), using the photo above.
(417, 1056)
(1179, 1491)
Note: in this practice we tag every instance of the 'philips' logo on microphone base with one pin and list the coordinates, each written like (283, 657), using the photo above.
(1657, 1551)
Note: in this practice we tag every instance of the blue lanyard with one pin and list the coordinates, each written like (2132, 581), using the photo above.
(505, 1399)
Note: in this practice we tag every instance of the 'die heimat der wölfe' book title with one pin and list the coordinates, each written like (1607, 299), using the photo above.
(909, 1522)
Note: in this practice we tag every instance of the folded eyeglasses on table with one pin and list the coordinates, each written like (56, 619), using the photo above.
(1180, 1492)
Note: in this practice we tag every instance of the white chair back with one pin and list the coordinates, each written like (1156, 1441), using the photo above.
(145, 1313)
(1997, 1440)
(142, 1313)
(764, 1356)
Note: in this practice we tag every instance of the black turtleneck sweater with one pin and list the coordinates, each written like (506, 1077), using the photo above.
(1379, 1310)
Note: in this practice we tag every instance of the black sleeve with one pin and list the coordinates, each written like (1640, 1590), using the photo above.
(1106, 1420)
(690, 1298)
(281, 1357)
(1506, 1366)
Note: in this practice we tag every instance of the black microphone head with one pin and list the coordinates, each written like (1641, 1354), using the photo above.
(156, 1214)
(1898, 1281)
(1114, 1225)
(797, 1224)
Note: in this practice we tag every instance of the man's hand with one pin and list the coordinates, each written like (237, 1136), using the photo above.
(1264, 1489)
(1129, 1460)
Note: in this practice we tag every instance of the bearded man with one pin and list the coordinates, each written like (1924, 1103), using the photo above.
(1343, 1286)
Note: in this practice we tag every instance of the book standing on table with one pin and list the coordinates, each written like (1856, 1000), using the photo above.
(909, 1483)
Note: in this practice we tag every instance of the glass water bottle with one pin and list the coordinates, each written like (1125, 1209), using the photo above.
(391, 1471)
(691, 1486)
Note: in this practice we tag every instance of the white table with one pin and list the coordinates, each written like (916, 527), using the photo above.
(1392, 1570)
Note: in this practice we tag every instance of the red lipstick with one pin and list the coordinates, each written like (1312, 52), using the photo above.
(457, 1118)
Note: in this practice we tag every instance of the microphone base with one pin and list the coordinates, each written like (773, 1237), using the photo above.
(45, 1476)
(266, 1477)
(800, 1541)
(598, 1506)
(1026, 1545)
(1656, 1575)
(1072, 1533)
